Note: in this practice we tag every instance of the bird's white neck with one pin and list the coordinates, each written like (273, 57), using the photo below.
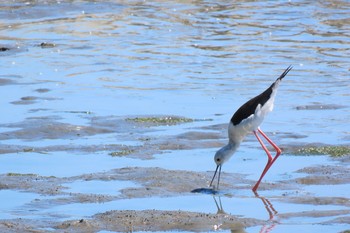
(228, 150)
(232, 146)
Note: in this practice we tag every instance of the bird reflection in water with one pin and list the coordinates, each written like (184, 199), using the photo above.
(238, 229)
(266, 228)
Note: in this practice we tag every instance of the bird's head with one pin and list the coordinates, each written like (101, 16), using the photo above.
(222, 155)
(219, 158)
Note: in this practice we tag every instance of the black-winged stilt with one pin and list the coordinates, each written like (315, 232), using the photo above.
(248, 119)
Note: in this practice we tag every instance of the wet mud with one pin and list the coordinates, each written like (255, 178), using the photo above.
(155, 220)
(152, 181)
(157, 182)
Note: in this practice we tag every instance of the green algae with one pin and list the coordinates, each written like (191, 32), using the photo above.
(20, 174)
(121, 153)
(15, 174)
(334, 151)
(162, 120)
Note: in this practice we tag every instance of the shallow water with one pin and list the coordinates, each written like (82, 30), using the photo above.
(65, 103)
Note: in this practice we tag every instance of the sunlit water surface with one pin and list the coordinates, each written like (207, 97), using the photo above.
(200, 60)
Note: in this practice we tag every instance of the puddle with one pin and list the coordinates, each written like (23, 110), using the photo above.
(46, 164)
(242, 206)
(99, 187)
(247, 163)
(335, 190)
(298, 228)
(13, 201)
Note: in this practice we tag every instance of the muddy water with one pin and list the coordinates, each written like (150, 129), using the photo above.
(114, 109)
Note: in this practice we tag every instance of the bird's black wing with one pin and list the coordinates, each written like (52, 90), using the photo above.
(249, 107)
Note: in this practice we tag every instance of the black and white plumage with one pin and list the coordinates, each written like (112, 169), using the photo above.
(247, 119)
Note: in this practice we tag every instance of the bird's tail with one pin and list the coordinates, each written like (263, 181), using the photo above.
(284, 73)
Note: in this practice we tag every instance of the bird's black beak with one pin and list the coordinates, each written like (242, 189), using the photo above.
(218, 167)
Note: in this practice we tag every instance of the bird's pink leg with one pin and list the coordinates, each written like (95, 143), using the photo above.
(270, 159)
(278, 150)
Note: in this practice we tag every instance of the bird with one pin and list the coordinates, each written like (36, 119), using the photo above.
(245, 120)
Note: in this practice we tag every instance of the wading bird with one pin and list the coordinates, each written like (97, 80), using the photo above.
(248, 119)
